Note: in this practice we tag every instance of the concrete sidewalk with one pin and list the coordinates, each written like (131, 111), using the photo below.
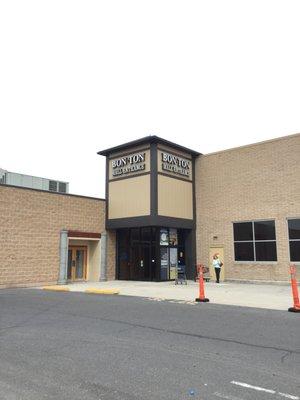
(275, 297)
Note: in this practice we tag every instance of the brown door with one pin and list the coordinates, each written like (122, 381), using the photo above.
(77, 262)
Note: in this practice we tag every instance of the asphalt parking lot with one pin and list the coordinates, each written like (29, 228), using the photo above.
(80, 346)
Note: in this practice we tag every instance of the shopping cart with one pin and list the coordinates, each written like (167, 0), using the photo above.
(180, 275)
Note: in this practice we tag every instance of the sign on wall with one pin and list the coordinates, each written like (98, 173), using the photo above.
(128, 164)
(164, 237)
(173, 239)
(175, 164)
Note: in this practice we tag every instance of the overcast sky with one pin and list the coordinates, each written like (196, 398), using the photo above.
(80, 76)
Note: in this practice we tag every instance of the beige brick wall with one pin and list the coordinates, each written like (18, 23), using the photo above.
(260, 181)
(111, 254)
(30, 225)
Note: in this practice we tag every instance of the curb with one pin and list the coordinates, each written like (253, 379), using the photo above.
(102, 291)
(56, 288)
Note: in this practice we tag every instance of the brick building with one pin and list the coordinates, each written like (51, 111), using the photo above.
(165, 206)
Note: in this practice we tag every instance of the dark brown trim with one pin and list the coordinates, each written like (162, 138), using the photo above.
(189, 157)
(172, 222)
(134, 174)
(175, 177)
(80, 234)
(190, 236)
(49, 192)
(116, 256)
(112, 157)
(148, 220)
(106, 191)
(194, 191)
(153, 180)
(193, 233)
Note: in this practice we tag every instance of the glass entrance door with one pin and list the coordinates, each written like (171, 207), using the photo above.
(149, 253)
(146, 262)
(77, 263)
(141, 262)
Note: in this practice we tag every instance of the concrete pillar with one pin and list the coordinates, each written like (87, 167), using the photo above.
(103, 257)
(63, 263)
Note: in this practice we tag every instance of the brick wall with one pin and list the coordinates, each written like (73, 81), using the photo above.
(260, 181)
(111, 254)
(30, 225)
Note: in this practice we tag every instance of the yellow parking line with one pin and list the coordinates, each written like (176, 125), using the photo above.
(57, 288)
(102, 291)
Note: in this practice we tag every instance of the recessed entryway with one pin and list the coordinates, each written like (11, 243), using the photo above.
(83, 259)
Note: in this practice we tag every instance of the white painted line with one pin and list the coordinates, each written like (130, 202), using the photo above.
(288, 396)
(246, 385)
(261, 389)
(226, 397)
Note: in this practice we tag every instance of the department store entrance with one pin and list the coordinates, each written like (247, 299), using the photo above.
(149, 253)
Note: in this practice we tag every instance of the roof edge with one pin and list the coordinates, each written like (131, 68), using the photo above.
(50, 192)
(145, 140)
(245, 146)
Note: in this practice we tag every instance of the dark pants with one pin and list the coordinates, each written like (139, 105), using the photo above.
(218, 270)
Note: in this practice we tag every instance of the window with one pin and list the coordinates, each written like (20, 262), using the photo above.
(255, 241)
(294, 239)
(62, 187)
(3, 178)
(53, 186)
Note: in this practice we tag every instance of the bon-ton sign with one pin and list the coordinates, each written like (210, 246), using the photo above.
(175, 164)
(128, 164)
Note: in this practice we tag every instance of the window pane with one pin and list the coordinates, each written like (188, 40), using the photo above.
(62, 187)
(294, 228)
(53, 186)
(264, 230)
(173, 238)
(135, 234)
(69, 273)
(265, 251)
(243, 231)
(295, 251)
(146, 234)
(244, 251)
(123, 241)
(164, 263)
(154, 230)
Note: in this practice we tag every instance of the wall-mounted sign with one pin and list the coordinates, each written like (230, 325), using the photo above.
(175, 164)
(173, 239)
(173, 262)
(128, 164)
(164, 237)
(164, 263)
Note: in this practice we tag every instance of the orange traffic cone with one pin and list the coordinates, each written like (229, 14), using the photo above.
(201, 297)
(294, 285)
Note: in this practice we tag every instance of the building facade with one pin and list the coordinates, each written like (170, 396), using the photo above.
(33, 182)
(246, 185)
(165, 206)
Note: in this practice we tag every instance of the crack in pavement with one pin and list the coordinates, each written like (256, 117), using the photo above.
(181, 333)
(153, 328)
